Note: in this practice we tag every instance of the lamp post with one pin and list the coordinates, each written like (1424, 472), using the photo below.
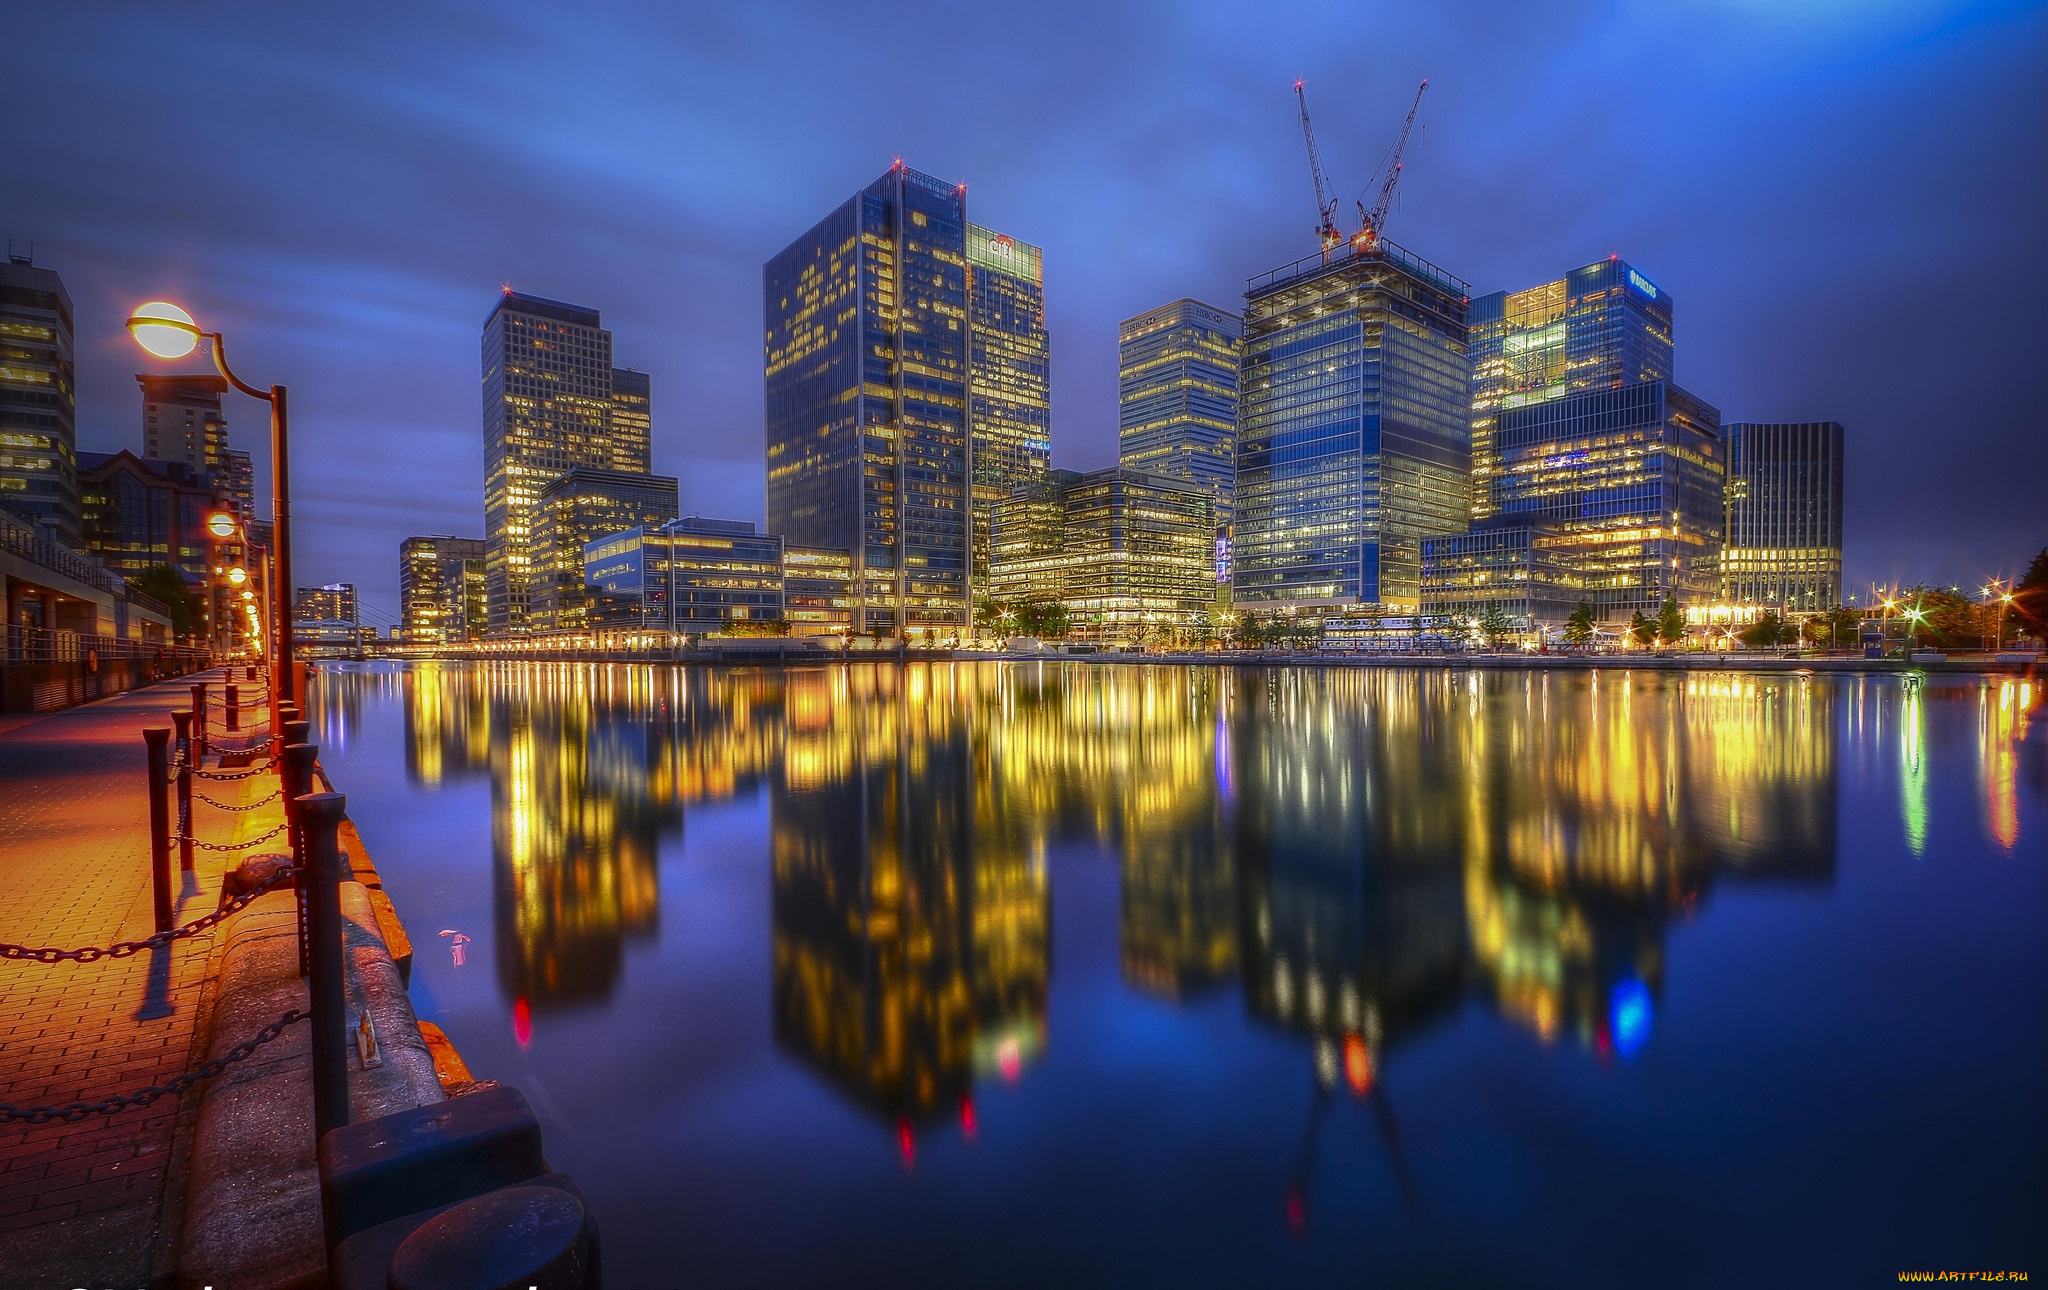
(224, 524)
(169, 332)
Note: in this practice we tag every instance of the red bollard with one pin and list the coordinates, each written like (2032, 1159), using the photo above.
(232, 721)
(320, 816)
(182, 722)
(158, 739)
(199, 717)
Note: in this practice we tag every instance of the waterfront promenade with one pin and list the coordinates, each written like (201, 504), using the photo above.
(94, 1200)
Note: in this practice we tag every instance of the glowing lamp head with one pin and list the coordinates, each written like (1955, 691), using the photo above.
(238, 575)
(221, 524)
(164, 329)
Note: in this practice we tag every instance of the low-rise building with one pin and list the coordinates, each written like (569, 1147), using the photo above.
(1518, 566)
(689, 577)
(1121, 549)
(818, 593)
(574, 510)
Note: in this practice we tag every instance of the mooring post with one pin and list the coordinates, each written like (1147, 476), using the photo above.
(182, 723)
(231, 721)
(321, 814)
(295, 773)
(199, 716)
(157, 739)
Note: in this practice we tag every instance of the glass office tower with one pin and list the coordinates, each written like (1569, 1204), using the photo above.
(1009, 381)
(1120, 548)
(866, 379)
(1600, 326)
(1177, 396)
(547, 394)
(632, 421)
(1632, 478)
(1783, 541)
(38, 398)
(1353, 442)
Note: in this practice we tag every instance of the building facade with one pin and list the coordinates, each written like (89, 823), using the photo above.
(1353, 440)
(547, 405)
(1177, 371)
(1518, 567)
(441, 592)
(38, 398)
(1633, 479)
(1009, 375)
(574, 509)
(817, 590)
(632, 434)
(1782, 545)
(1121, 549)
(865, 376)
(334, 603)
(182, 421)
(135, 513)
(1601, 326)
(687, 577)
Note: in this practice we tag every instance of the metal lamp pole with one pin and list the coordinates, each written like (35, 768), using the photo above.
(169, 332)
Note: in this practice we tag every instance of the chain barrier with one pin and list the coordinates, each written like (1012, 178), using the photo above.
(125, 949)
(223, 806)
(220, 701)
(229, 846)
(257, 768)
(72, 1112)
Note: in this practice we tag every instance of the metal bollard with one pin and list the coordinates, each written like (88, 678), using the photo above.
(231, 721)
(199, 716)
(321, 815)
(182, 723)
(157, 740)
(248, 671)
(295, 772)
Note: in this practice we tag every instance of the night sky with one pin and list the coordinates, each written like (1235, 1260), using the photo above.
(1846, 199)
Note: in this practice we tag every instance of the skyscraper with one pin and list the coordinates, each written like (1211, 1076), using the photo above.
(632, 421)
(1009, 382)
(38, 397)
(547, 394)
(182, 420)
(866, 388)
(1600, 326)
(1353, 439)
(1783, 540)
(1632, 479)
(1177, 396)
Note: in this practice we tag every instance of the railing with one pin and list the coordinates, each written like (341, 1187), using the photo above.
(25, 540)
(51, 645)
(1399, 256)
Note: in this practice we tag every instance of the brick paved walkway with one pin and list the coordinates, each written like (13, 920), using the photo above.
(85, 1202)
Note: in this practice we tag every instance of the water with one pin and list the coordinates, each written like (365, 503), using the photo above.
(1071, 974)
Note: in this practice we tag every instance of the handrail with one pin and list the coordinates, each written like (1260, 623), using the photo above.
(21, 644)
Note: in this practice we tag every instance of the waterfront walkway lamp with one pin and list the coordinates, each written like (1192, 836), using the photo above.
(169, 332)
(225, 524)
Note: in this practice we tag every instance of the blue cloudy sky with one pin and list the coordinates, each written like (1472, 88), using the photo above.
(1846, 198)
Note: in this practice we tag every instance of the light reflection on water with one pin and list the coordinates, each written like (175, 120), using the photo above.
(1355, 863)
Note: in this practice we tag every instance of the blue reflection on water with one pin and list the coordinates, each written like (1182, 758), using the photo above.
(1629, 1017)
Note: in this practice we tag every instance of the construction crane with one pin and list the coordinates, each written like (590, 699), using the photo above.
(1370, 222)
(1326, 205)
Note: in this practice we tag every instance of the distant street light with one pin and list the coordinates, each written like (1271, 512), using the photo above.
(167, 331)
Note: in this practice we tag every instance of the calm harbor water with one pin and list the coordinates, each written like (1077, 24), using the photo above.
(1073, 974)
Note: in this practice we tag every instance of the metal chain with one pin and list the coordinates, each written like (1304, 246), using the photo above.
(229, 846)
(256, 769)
(72, 1112)
(261, 801)
(220, 701)
(124, 949)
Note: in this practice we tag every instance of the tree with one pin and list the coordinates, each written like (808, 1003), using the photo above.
(755, 627)
(1940, 617)
(164, 583)
(1047, 620)
(1578, 629)
(1765, 631)
(1496, 624)
(1670, 622)
(1837, 627)
(2030, 597)
(1640, 630)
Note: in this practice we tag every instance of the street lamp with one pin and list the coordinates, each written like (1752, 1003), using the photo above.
(167, 331)
(225, 524)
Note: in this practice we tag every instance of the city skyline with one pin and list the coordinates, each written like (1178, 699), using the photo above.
(1782, 276)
